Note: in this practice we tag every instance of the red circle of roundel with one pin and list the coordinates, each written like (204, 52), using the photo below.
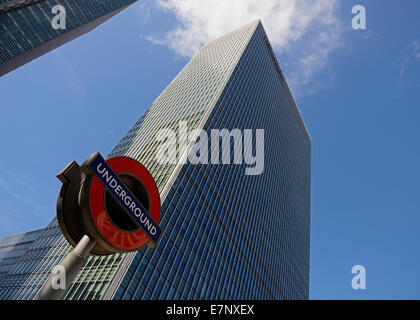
(113, 235)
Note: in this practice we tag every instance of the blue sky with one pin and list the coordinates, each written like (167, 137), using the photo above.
(358, 91)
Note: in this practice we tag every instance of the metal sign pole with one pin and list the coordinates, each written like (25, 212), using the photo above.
(70, 265)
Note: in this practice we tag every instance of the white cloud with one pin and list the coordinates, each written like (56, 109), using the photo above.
(303, 32)
(413, 51)
(3, 183)
(17, 191)
(68, 75)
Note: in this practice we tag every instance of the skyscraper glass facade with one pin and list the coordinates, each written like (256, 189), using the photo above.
(26, 29)
(20, 256)
(11, 249)
(226, 235)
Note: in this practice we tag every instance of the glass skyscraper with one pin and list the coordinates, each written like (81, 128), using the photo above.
(226, 235)
(21, 254)
(12, 248)
(27, 31)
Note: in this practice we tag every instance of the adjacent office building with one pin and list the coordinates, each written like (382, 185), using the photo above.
(13, 247)
(27, 28)
(20, 254)
(226, 235)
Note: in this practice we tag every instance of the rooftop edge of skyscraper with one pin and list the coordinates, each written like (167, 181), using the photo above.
(298, 114)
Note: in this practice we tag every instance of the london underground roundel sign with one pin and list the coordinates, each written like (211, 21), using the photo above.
(115, 201)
